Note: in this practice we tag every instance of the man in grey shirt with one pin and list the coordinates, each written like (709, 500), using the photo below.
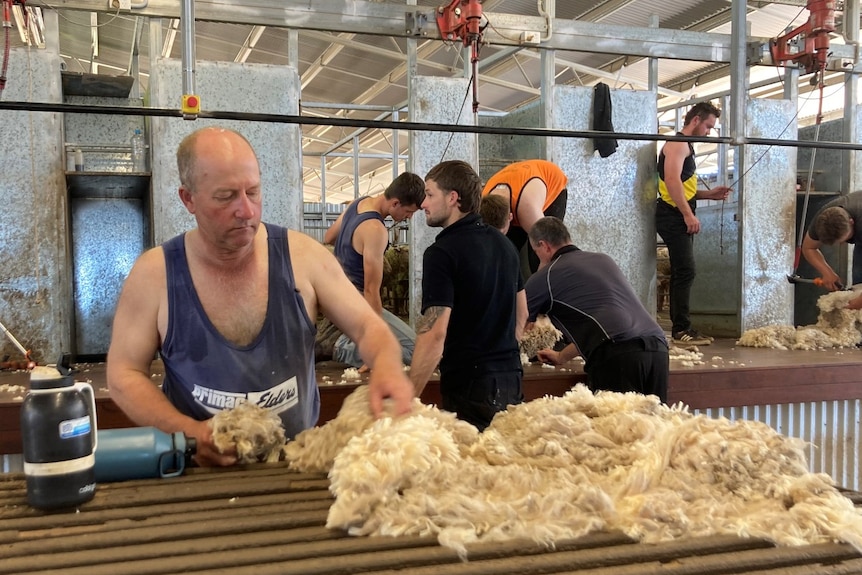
(587, 297)
(838, 221)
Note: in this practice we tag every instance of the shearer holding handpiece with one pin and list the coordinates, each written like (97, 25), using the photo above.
(838, 221)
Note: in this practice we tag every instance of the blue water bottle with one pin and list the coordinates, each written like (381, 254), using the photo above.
(141, 453)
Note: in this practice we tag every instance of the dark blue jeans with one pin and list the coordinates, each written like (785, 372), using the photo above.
(670, 225)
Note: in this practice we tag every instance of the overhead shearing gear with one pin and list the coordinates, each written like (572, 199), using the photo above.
(813, 57)
(814, 35)
(460, 20)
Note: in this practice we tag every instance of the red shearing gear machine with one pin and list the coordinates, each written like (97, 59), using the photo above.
(460, 20)
(815, 36)
(808, 47)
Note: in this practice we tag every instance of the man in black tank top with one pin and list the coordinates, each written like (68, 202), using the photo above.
(675, 220)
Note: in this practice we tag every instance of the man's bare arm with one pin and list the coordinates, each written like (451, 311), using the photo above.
(558, 357)
(134, 341)
(430, 337)
(813, 255)
(324, 286)
(373, 239)
(331, 233)
(530, 203)
(521, 314)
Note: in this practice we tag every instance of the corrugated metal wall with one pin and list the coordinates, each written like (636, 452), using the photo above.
(831, 428)
(315, 221)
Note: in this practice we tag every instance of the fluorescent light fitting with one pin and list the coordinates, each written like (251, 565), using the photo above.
(19, 23)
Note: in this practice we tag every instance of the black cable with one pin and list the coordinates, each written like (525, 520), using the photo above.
(463, 103)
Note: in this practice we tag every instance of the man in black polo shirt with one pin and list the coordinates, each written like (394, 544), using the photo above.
(587, 297)
(472, 299)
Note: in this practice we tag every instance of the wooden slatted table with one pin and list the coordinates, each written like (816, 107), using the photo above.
(265, 519)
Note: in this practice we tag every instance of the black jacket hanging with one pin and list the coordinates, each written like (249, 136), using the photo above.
(602, 120)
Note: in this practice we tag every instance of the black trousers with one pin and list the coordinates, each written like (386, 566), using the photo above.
(639, 364)
(519, 237)
(476, 397)
(670, 225)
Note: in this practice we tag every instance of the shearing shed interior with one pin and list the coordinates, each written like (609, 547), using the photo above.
(751, 465)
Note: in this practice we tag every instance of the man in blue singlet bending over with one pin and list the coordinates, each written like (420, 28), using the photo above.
(360, 238)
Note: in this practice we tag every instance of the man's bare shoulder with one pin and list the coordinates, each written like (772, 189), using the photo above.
(674, 148)
(295, 237)
(305, 249)
(146, 283)
(371, 229)
(150, 264)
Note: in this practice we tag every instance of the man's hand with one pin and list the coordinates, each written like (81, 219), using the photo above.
(692, 224)
(855, 303)
(395, 386)
(832, 282)
(566, 354)
(716, 193)
(207, 454)
(549, 356)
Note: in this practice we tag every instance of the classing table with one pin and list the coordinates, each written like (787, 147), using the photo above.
(266, 519)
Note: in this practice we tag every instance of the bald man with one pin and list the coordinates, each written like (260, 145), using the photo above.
(230, 307)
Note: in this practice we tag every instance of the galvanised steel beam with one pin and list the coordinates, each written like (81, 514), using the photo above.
(357, 16)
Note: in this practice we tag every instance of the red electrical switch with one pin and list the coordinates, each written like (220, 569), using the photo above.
(191, 104)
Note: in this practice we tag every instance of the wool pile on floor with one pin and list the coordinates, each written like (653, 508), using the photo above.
(561, 467)
(836, 326)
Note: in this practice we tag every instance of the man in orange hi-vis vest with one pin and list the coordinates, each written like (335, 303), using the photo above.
(535, 189)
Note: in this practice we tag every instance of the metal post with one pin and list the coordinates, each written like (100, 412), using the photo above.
(850, 133)
(722, 151)
(134, 67)
(652, 72)
(355, 167)
(323, 180)
(549, 79)
(739, 81)
(395, 146)
(187, 20)
(293, 49)
(851, 95)
(410, 73)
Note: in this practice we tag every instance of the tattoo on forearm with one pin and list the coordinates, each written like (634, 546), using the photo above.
(426, 322)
